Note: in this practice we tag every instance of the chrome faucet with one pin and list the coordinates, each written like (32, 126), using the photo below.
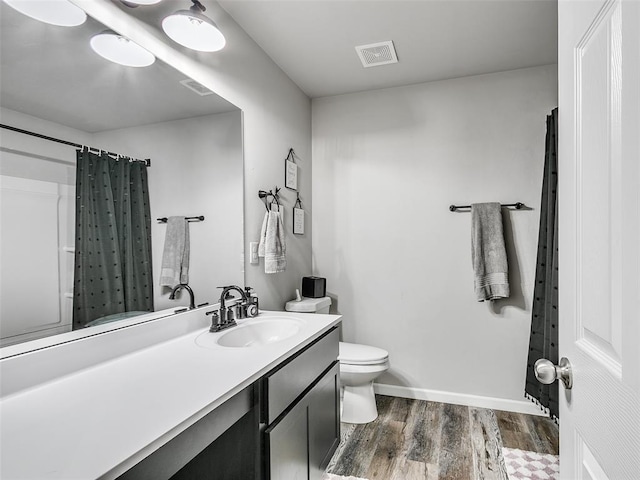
(224, 316)
(180, 286)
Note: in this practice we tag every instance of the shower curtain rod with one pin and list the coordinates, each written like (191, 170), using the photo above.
(147, 161)
(517, 205)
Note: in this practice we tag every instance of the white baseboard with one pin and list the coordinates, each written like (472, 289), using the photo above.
(518, 406)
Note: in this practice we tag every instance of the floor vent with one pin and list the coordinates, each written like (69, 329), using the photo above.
(375, 54)
(196, 87)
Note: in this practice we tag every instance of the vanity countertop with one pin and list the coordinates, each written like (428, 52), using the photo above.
(99, 421)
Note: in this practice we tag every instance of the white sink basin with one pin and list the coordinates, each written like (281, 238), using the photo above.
(252, 333)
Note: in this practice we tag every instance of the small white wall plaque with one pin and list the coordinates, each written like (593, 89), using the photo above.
(291, 175)
(298, 221)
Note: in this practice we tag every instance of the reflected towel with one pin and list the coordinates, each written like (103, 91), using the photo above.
(272, 244)
(488, 252)
(175, 258)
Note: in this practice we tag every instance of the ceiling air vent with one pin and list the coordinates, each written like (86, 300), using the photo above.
(196, 87)
(376, 54)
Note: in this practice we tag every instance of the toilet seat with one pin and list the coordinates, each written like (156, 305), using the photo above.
(356, 354)
(368, 368)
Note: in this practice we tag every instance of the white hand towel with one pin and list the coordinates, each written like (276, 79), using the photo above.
(263, 235)
(488, 252)
(272, 244)
(175, 258)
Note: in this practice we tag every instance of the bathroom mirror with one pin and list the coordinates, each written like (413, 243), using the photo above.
(52, 83)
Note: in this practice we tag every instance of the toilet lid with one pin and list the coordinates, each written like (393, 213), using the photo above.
(308, 305)
(356, 354)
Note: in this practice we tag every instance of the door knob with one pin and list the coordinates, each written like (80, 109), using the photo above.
(546, 372)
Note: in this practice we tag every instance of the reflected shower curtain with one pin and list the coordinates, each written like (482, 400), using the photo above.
(543, 341)
(112, 272)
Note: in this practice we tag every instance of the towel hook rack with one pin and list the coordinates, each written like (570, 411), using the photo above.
(517, 206)
(275, 198)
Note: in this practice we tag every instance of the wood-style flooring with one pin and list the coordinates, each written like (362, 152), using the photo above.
(416, 439)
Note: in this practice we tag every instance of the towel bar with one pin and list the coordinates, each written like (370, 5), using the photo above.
(517, 205)
(188, 219)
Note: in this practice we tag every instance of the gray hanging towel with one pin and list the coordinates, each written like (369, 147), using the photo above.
(488, 252)
(175, 258)
(272, 244)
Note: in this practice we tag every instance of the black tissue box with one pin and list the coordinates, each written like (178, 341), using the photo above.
(314, 287)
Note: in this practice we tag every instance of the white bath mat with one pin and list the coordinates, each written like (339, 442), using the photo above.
(331, 476)
(522, 464)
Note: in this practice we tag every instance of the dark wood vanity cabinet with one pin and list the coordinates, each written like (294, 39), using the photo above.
(285, 426)
(222, 445)
(301, 413)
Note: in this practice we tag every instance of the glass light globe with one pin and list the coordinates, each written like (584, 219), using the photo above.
(135, 3)
(193, 30)
(121, 50)
(54, 12)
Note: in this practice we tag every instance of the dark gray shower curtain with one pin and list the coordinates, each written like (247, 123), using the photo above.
(543, 341)
(112, 272)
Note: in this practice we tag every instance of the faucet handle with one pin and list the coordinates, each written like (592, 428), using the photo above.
(215, 320)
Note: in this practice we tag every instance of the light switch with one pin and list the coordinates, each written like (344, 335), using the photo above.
(253, 252)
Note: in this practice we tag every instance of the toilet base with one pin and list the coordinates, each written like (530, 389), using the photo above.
(359, 404)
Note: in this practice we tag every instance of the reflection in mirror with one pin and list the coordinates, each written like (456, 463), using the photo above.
(53, 84)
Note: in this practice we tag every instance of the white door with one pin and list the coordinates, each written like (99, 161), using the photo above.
(599, 234)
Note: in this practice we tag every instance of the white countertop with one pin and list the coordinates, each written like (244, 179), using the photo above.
(99, 421)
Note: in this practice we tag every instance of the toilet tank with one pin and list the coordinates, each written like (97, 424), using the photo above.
(309, 305)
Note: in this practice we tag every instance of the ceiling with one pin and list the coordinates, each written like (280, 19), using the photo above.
(52, 73)
(313, 40)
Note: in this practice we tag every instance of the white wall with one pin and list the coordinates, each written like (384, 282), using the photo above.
(276, 116)
(37, 222)
(31, 157)
(196, 169)
(387, 164)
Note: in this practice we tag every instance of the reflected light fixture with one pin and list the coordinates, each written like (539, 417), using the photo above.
(119, 49)
(54, 12)
(194, 30)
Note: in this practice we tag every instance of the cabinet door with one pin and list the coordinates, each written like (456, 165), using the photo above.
(287, 446)
(324, 421)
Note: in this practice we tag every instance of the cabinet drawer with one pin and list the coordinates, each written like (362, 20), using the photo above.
(282, 386)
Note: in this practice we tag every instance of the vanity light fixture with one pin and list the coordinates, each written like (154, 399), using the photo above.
(194, 30)
(119, 49)
(54, 12)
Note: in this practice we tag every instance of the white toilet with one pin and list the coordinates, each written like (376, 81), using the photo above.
(360, 365)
